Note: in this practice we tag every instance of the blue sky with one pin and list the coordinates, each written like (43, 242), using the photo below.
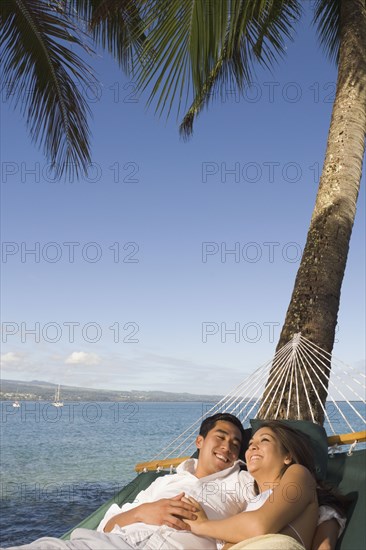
(132, 284)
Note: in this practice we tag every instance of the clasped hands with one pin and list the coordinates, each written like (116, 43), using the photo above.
(179, 512)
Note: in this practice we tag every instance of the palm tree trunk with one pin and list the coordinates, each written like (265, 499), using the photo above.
(315, 299)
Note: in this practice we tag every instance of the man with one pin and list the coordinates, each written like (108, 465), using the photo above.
(214, 479)
(156, 519)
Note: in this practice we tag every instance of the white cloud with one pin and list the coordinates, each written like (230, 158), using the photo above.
(11, 358)
(134, 369)
(83, 358)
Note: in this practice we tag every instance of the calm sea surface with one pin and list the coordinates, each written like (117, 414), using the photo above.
(59, 465)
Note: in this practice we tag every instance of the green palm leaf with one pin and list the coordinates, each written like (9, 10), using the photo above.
(45, 79)
(115, 25)
(255, 35)
(326, 17)
(200, 48)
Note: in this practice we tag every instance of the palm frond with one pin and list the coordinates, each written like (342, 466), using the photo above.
(45, 79)
(256, 33)
(201, 99)
(115, 25)
(326, 18)
(183, 38)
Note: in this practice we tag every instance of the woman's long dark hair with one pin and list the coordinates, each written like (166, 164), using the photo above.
(298, 446)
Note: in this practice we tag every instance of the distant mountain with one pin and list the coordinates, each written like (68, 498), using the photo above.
(38, 390)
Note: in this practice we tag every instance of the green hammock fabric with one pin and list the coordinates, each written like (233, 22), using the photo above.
(127, 494)
(347, 472)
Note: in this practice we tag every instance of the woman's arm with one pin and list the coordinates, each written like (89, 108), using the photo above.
(326, 535)
(295, 491)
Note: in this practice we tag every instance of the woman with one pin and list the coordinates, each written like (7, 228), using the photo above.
(280, 460)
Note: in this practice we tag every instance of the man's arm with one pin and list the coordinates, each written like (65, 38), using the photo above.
(326, 535)
(166, 511)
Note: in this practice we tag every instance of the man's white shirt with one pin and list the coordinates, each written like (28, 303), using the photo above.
(222, 495)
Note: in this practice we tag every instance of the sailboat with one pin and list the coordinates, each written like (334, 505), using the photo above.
(57, 401)
(16, 403)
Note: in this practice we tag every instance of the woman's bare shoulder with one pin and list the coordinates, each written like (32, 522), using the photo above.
(299, 473)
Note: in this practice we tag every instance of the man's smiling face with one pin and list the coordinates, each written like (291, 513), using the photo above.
(219, 449)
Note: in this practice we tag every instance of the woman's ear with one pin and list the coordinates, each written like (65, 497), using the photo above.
(288, 460)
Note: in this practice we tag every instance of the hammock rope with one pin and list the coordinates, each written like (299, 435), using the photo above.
(303, 370)
(333, 387)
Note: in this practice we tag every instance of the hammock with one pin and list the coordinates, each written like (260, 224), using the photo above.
(305, 370)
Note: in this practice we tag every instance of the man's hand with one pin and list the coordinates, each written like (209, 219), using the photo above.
(200, 515)
(167, 511)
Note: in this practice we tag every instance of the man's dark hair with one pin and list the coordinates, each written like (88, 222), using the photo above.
(210, 422)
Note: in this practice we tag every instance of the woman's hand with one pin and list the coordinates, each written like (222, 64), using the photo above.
(199, 512)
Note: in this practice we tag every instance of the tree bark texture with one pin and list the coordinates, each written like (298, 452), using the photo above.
(314, 304)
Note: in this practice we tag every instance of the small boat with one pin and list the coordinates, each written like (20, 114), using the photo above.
(57, 401)
(16, 403)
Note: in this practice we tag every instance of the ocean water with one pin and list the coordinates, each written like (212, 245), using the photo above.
(58, 465)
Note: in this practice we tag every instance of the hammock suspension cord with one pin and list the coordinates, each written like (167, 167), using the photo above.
(303, 368)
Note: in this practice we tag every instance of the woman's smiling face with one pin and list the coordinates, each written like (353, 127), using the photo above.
(265, 452)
